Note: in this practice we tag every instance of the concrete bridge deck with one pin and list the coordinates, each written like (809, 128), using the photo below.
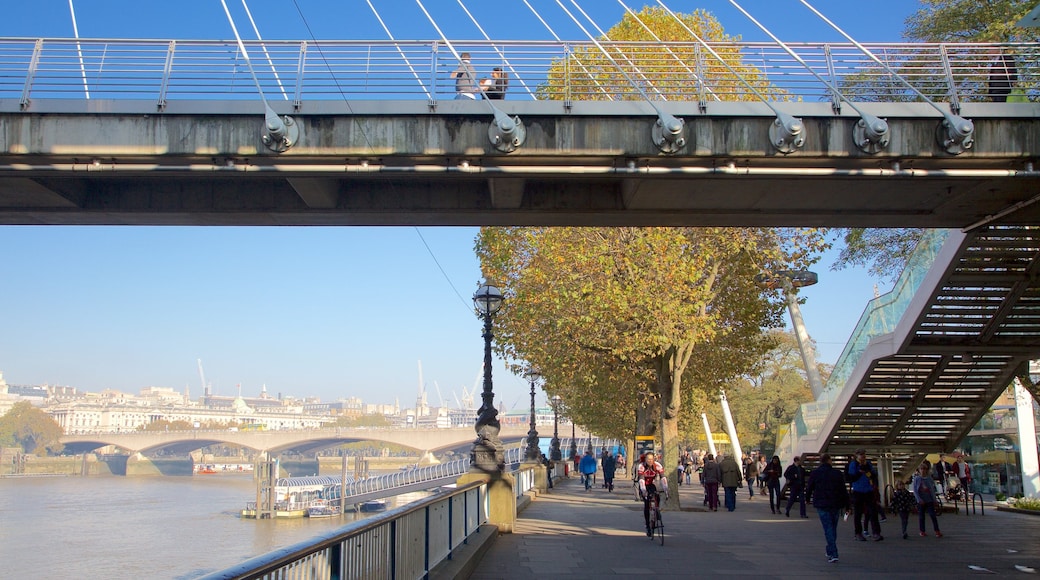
(573, 534)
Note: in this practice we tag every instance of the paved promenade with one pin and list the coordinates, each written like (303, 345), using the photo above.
(577, 534)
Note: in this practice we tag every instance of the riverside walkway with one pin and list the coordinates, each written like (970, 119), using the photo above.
(572, 533)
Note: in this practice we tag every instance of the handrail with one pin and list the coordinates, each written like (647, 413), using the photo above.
(164, 70)
(393, 545)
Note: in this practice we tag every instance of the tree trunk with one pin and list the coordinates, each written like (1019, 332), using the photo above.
(670, 459)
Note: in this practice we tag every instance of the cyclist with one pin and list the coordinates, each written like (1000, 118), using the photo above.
(648, 472)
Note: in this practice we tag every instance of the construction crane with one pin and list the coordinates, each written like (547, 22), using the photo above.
(439, 395)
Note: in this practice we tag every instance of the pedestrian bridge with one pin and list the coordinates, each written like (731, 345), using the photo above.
(274, 442)
(927, 360)
(160, 132)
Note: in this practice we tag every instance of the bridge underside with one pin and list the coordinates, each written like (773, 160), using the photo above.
(979, 329)
(593, 164)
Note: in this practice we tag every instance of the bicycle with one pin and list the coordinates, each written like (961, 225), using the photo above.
(656, 523)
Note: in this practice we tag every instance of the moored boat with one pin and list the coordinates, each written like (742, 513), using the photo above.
(376, 505)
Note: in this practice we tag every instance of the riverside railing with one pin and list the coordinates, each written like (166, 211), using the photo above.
(880, 317)
(297, 72)
(406, 542)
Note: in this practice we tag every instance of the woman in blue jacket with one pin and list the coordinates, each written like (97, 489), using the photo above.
(924, 492)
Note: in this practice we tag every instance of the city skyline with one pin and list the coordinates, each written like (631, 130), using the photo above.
(327, 312)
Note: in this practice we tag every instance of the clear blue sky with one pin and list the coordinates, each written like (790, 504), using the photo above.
(332, 312)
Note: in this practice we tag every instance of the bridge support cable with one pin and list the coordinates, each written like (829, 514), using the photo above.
(584, 69)
(870, 134)
(498, 51)
(955, 134)
(79, 51)
(506, 133)
(786, 133)
(429, 97)
(623, 54)
(667, 133)
(263, 47)
(702, 86)
(280, 133)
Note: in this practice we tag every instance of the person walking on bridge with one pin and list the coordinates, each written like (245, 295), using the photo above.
(827, 492)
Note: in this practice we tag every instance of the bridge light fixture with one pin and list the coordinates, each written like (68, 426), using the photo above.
(487, 454)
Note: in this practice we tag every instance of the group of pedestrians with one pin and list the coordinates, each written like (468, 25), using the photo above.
(829, 491)
(588, 467)
(468, 86)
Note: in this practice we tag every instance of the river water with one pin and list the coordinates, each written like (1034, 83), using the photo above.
(118, 527)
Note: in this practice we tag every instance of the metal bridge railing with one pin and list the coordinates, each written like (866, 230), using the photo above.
(299, 71)
(406, 542)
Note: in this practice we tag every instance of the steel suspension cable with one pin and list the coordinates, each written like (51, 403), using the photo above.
(670, 52)
(399, 51)
(496, 49)
(79, 50)
(264, 48)
(623, 54)
(959, 132)
(584, 69)
(876, 126)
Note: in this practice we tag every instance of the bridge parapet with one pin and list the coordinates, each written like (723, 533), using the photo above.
(164, 72)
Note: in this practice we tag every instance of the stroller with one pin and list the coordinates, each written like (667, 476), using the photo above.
(954, 489)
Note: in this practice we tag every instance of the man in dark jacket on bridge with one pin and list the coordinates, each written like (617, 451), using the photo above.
(827, 492)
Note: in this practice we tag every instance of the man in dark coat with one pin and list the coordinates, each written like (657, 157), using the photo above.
(827, 492)
(609, 466)
(795, 476)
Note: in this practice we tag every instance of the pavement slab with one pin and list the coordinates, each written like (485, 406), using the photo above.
(574, 533)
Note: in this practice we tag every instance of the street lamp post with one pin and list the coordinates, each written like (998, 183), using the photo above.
(533, 453)
(487, 454)
(554, 445)
(574, 442)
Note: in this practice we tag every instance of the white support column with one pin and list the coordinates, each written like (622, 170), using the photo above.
(730, 427)
(1027, 441)
(707, 433)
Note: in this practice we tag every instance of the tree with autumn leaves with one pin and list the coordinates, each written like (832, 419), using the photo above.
(633, 55)
(630, 325)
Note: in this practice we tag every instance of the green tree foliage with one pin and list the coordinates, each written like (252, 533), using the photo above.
(31, 429)
(970, 21)
(768, 399)
(623, 320)
(677, 72)
(884, 250)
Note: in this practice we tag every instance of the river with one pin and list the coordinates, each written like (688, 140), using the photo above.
(118, 527)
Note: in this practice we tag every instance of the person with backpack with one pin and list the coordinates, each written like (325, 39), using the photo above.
(863, 477)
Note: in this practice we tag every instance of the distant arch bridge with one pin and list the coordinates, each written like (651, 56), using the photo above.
(275, 442)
